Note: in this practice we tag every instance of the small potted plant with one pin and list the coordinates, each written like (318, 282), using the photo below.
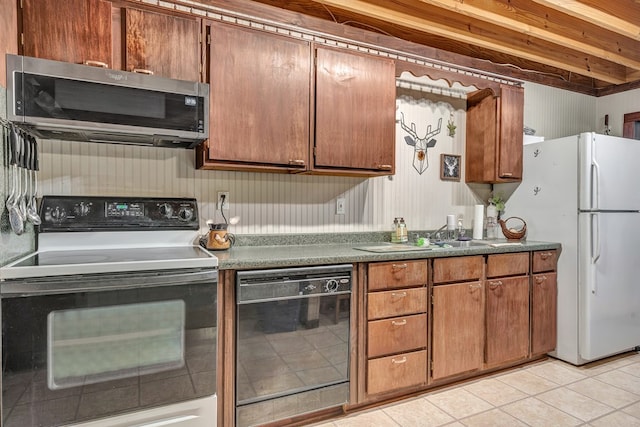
(496, 202)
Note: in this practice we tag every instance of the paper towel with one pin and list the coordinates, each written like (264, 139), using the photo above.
(451, 222)
(478, 222)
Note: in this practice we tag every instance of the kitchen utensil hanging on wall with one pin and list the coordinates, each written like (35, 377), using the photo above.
(12, 204)
(22, 160)
(32, 209)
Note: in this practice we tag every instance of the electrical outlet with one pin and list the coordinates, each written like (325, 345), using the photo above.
(341, 206)
(223, 200)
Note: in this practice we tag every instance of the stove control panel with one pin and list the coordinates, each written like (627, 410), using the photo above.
(79, 213)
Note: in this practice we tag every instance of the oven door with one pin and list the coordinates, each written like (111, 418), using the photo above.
(80, 348)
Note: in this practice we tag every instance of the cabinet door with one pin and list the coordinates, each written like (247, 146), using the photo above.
(355, 112)
(507, 319)
(543, 313)
(494, 135)
(164, 45)
(74, 31)
(458, 329)
(260, 95)
(511, 124)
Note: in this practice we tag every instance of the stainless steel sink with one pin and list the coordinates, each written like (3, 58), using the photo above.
(461, 244)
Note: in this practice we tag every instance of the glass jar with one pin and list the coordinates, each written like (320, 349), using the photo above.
(399, 233)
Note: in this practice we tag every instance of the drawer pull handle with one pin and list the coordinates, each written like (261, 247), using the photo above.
(540, 279)
(495, 284)
(143, 71)
(296, 162)
(384, 167)
(475, 286)
(546, 255)
(507, 175)
(399, 294)
(399, 266)
(399, 322)
(93, 63)
(399, 361)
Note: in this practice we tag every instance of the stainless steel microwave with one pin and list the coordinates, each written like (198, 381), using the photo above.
(60, 100)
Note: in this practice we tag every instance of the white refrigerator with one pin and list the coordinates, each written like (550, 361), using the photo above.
(584, 192)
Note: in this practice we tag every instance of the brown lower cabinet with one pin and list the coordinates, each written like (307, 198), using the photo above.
(396, 353)
(397, 372)
(442, 320)
(458, 329)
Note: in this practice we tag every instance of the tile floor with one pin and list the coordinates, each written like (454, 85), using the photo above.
(549, 393)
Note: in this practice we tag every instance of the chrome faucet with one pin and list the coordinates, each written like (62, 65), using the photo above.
(437, 233)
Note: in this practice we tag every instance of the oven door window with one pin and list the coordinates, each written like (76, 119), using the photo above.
(93, 345)
(76, 356)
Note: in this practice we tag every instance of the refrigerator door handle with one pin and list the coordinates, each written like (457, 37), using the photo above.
(595, 185)
(595, 244)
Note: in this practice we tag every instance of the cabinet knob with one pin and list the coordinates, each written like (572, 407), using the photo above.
(540, 279)
(92, 63)
(399, 322)
(399, 361)
(142, 71)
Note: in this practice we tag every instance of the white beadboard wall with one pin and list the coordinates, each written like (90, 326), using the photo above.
(555, 113)
(278, 203)
(616, 106)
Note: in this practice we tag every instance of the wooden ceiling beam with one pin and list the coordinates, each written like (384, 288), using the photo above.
(595, 16)
(612, 74)
(513, 24)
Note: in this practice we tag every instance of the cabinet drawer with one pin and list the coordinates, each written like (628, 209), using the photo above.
(458, 269)
(396, 372)
(396, 335)
(390, 275)
(507, 264)
(545, 261)
(396, 303)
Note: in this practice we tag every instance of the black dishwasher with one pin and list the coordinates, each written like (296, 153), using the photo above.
(292, 347)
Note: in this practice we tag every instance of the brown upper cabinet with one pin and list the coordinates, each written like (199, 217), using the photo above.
(355, 112)
(161, 44)
(99, 33)
(494, 135)
(259, 104)
(77, 31)
(281, 104)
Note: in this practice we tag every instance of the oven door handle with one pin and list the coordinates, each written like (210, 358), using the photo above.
(106, 282)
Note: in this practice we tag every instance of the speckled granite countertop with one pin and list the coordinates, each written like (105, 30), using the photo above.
(293, 254)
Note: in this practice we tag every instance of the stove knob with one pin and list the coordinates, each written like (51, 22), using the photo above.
(83, 209)
(185, 214)
(331, 285)
(165, 210)
(58, 214)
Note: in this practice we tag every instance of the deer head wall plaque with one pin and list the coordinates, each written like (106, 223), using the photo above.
(420, 145)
